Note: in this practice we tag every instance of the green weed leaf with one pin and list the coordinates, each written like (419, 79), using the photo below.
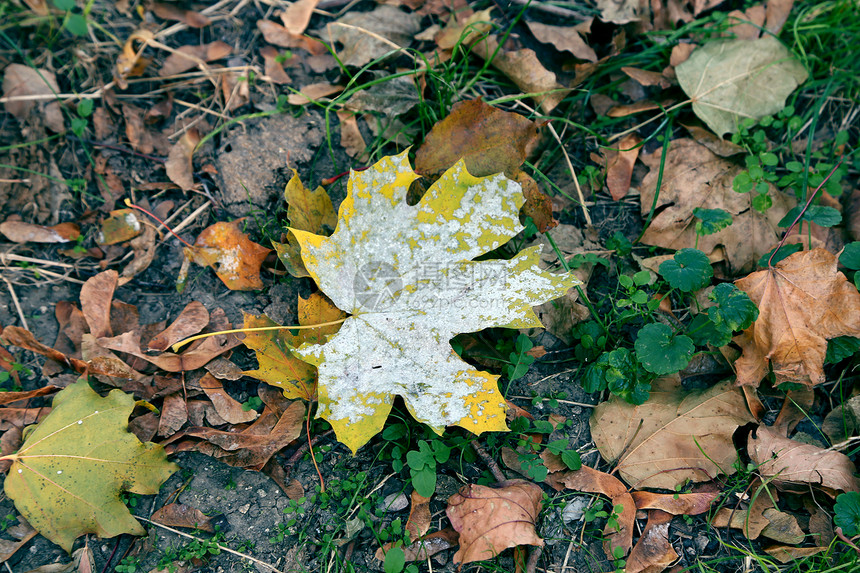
(847, 512)
(660, 351)
(688, 270)
(784, 252)
(850, 256)
(840, 348)
(734, 307)
(395, 560)
(711, 220)
(704, 331)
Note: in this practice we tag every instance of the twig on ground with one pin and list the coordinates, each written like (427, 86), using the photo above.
(16, 303)
(554, 10)
(221, 547)
(491, 463)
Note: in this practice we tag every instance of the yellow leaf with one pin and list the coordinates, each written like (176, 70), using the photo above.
(278, 365)
(67, 477)
(408, 277)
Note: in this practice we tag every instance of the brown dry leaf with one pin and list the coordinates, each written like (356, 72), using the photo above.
(524, 69)
(647, 78)
(488, 139)
(677, 503)
(564, 38)
(653, 552)
(538, 205)
(843, 421)
(174, 414)
(782, 527)
(350, 136)
(619, 162)
(22, 338)
(234, 257)
(130, 62)
(138, 134)
(179, 166)
(491, 519)
(793, 466)
(674, 436)
(745, 25)
(794, 410)
(593, 481)
(680, 53)
(777, 15)
(695, 177)
(274, 68)
(190, 18)
(181, 515)
(227, 407)
(144, 248)
(464, 31)
(624, 11)
(425, 547)
(193, 318)
(252, 450)
(96, 296)
(298, 14)
(21, 232)
(750, 521)
(368, 36)
(197, 357)
(188, 57)
(419, 516)
(278, 35)
(313, 92)
(718, 145)
(788, 554)
(20, 80)
(803, 302)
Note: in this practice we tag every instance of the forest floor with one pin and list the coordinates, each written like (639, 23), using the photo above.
(130, 130)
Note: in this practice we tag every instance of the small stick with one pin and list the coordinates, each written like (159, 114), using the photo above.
(17, 304)
(44, 272)
(491, 463)
(221, 547)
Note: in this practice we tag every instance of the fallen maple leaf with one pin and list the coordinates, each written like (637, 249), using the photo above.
(67, 478)
(491, 519)
(795, 466)
(278, 365)
(803, 302)
(407, 277)
(234, 257)
(674, 436)
(693, 177)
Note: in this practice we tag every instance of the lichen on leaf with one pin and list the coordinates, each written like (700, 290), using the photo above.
(67, 477)
(406, 275)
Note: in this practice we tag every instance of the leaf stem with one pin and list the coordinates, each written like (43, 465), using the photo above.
(166, 226)
(182, 343)
(809, 201)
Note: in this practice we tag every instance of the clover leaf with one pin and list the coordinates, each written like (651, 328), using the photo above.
(618, 371)
(661, 351)
(688, 270)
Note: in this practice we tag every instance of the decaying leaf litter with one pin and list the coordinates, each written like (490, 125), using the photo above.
(192, 133)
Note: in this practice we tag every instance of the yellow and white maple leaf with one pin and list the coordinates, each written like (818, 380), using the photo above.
(407, 277)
